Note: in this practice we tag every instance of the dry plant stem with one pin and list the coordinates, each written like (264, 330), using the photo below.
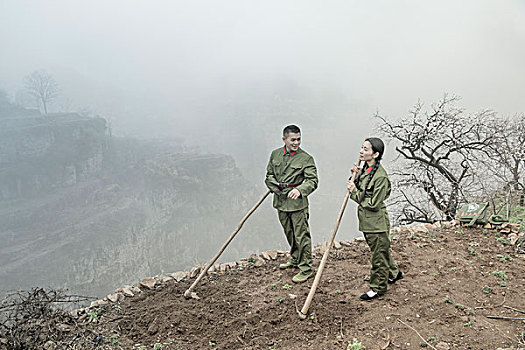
(513, 309)
(187, 293)
(505, 318)
(417, 334)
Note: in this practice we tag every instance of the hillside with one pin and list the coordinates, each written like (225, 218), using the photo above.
(455, 278)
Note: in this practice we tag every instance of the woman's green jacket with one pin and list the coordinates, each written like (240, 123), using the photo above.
(372, 213)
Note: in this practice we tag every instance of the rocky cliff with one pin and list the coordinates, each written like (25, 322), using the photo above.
(40, 153)
(88, 212)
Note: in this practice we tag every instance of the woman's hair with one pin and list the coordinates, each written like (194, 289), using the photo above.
(379, 147)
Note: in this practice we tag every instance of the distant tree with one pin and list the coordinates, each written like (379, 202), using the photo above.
(438, 152)
(42, 86)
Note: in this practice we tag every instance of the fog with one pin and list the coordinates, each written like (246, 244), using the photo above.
(226, 77)
(128, 57)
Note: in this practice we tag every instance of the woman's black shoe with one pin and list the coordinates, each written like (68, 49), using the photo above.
(370, 296)
(399, 276)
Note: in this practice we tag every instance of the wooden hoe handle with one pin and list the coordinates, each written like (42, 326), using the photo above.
(304, 310)
(187, 293)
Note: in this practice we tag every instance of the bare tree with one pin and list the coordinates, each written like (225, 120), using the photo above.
(507, 161)
(437, 164)
(42, 86)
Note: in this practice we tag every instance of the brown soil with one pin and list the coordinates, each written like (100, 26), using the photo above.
(448, 291)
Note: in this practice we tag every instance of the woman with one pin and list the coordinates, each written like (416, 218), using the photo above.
(370, 190)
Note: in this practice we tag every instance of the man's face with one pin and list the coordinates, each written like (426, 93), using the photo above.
(292, 141)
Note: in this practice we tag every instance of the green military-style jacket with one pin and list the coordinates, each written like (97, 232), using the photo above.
(291, 168)
(372, 213)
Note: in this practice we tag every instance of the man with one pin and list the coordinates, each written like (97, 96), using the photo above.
(291, 175)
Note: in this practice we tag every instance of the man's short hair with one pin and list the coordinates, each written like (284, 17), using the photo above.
(291, 128)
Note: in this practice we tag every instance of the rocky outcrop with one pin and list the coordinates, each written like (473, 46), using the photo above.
(41, 153)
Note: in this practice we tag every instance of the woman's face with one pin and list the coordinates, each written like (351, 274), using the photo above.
(367, 154)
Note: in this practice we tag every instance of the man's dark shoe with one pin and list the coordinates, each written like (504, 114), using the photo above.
(302, 276)
(287, 265)
(370, 295)
(399, 276)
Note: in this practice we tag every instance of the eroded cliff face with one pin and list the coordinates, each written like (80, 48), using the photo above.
(40, 153)
(87, 212)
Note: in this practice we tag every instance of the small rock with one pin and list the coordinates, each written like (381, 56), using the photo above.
(148, 283)
(136, 289)
(337, 245)
(113, 297)
(273, 254)
(224, 267)
(195, 271)
(179, 275)
(346, 243)
(194, 296)
(260, 262)
(442, 346)
(292, 296)
(98, 303)
(49, 345)
(127, 292)
(165, 278)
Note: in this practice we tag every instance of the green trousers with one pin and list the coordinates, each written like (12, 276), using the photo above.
(383, 266)
(297, 232)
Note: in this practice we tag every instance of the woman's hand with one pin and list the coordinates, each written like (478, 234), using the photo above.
(350, 185)
(355, 170)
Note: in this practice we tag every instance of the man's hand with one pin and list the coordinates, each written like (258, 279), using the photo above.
(294, 194)
(350, 185)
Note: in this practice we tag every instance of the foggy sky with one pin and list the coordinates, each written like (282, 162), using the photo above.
(106, 54)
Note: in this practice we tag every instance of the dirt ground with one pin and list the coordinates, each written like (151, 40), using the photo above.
(449, 289)
(454, 280)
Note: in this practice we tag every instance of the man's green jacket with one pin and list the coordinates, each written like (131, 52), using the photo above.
(371, 212)
(291, 168)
